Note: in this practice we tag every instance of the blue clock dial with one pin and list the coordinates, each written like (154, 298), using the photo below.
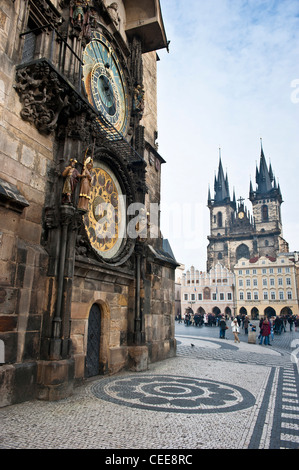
(105, 82)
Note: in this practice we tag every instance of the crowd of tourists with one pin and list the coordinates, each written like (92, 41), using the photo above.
(268, 326)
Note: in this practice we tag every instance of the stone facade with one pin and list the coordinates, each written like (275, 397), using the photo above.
(53, 281)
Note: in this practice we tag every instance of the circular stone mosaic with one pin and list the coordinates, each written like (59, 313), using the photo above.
(173, 394)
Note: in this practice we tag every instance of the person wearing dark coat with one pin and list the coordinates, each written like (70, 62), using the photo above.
(291, 322)
(246, 323)
(222, 325)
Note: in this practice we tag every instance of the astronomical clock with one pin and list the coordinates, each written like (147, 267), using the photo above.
(105, 82)
(107, 91)
(105, 220)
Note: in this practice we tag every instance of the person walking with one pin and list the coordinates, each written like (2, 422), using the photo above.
(272, 329)
(265, 332)
(223, 327)
(236, 330)
(291, 322)
(260, 327)
(284, 323)
(245, 324)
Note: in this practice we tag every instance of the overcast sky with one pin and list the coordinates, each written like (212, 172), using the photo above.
(230, 78)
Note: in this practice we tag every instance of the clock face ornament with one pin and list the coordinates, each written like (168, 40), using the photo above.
(241, 215)
(106, 217)
(105, 82)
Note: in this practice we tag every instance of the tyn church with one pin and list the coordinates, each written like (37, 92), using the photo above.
(234, 232)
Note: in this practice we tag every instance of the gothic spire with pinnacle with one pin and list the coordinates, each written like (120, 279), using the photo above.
(221, 186)
(265, 181)
(264, 176)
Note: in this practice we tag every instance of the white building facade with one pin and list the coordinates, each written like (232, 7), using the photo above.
(211, 292)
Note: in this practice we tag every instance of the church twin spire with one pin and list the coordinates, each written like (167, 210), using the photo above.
(221, 187)
(265, 181)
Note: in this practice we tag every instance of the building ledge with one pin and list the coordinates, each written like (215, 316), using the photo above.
(146, 21)
(11, 198)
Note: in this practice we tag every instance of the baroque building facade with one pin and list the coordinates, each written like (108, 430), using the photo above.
(234, 232)
(80, 293)
(267, 286)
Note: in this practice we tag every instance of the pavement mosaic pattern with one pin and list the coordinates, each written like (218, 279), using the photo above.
(214, 395)
(174, 394)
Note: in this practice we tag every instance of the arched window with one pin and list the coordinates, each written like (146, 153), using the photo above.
(228, 312)
(242, 252)
(206, 293)
(265, 215)
(219, 219)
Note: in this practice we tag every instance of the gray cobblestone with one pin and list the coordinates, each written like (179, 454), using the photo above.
(235, 397)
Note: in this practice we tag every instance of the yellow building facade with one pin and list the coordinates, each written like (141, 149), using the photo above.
(267, 286)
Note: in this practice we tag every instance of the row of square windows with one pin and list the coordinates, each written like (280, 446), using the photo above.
(264, 271)
(266, 295)
(247, 272)
(265, 282)
(208, 297)
(249, 296)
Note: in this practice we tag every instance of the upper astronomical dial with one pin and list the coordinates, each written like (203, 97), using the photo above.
(105, 82)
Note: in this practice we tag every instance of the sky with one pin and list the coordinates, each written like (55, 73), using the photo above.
(230, 79)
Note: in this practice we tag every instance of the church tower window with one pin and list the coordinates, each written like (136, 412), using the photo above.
(219, 219)
(265, 214)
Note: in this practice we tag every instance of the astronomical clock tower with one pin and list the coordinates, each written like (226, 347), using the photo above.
(86, 286)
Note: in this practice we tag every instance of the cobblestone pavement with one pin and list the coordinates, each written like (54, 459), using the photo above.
(216, 394)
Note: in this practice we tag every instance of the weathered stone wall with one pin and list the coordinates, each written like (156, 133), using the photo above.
(31, 161)
(115, 298)
(273, 215)
(159, 297)
(25, 158)
(149, 120)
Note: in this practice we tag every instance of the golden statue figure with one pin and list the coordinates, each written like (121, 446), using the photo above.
(71, 175)
(85, 186)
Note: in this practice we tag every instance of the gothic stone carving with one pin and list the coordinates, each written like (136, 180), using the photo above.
(50, 14)
(42, 94)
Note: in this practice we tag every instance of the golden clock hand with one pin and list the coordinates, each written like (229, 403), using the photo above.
(111, 58)
(92, 58)
(92, 42)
